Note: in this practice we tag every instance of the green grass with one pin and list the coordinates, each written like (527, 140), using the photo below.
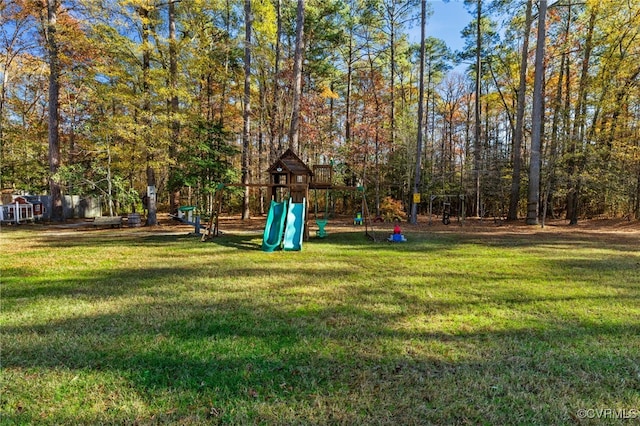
(111, 327)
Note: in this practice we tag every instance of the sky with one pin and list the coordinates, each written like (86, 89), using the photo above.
(446, 22)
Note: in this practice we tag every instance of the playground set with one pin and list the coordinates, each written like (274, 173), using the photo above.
(290, 182)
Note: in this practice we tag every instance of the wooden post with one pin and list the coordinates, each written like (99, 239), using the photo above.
(306, 213)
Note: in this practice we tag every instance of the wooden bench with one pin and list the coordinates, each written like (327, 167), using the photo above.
(111, 221)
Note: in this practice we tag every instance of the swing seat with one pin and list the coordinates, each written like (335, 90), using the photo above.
(321, 224)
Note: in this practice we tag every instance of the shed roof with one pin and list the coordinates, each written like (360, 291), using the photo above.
(290, 162)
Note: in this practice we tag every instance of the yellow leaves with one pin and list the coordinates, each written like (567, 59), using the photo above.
(613, 5)
(327, 93)
(264, 19)
(595, 3)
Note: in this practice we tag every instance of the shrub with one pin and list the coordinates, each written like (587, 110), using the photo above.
(391, 209)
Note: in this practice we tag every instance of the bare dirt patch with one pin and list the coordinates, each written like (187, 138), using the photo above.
(611, 230)
(603, 229)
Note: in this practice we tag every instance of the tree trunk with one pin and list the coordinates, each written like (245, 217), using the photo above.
(518, 131)
(476, 143)
(392, 77)
(276, 148)
(246, 113)
(294, 130)
(262, 148)
(174, 196)
(152, 219)
(553, 140)
(576, 163)
(566, 111)
(417, 175)
(347, 100)
(533, 199)
(57, 212)
(227, 61)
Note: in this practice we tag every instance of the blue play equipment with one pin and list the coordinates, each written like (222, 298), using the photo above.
(285, 226)
(358, 219)
(397, 238)
(321, 231)
(322, 223)
(272, 237)
(294, 230)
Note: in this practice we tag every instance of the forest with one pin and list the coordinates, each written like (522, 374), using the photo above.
(537, 116)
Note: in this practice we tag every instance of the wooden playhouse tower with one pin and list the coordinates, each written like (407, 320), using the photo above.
(289, 171)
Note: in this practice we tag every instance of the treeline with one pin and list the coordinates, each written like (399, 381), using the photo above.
(109, 97)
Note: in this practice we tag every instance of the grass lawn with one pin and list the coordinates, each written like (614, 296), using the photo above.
(146, 327)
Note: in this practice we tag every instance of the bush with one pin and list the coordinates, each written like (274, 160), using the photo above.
(392, 209)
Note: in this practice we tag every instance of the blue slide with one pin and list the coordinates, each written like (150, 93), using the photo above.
(272, 236)
(294, 232)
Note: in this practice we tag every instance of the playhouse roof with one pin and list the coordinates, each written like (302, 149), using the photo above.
(290, 162)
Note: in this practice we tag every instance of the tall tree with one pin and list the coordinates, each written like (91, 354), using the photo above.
(358, 22)
(174, 103)
(559, 111)
(246, 112)
(477, 144)
(514, 197)
(477, 135)
(13, 25)
(576, 150)
(275, 143)
(537, 117)
(420, 130)
(144, 11)
(294, 129)
(397, 14)
(50, 31)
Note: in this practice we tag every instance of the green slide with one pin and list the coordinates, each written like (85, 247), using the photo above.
(272, 236)
(294, 232)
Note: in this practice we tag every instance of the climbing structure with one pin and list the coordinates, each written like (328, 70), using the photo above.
(290, 180)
